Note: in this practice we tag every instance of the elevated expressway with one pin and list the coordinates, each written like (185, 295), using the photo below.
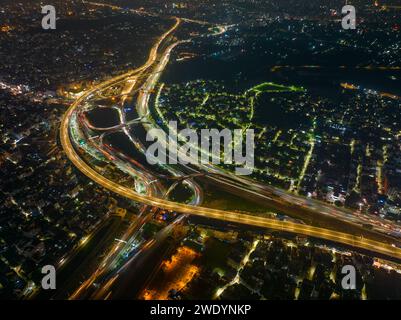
(374, 246)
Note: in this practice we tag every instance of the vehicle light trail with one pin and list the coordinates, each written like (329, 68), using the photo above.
(228, 216)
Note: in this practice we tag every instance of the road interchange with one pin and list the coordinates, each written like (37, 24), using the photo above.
(378, 247)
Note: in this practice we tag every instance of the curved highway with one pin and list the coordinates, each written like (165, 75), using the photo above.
(228, 216)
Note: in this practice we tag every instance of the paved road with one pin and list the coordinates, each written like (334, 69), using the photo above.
(229, 216)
